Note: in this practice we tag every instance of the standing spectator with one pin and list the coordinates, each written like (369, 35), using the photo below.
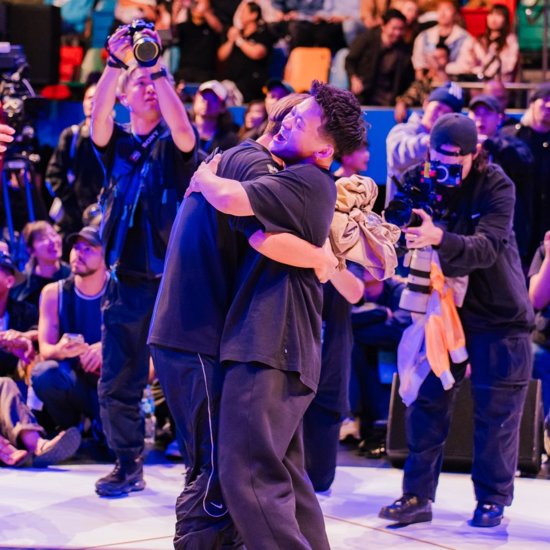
(69, 336)
(74, 173)
(148, 164)
(294, 20)
(199, 36)
(534, 130)
(407, 143)
(497, 318)
(355, 162)
(459, 42)
(212, 119)
(45, 249)
(539, 292)
(419, 90)
(514, 157)
(379, 62)
(496, 52)
(245, 53)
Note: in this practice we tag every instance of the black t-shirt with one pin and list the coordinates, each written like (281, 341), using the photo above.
(541, 334)
(275, 317)
(250, 74)
(383, 91)
(198, 45)
(203, 254)
(143, 194)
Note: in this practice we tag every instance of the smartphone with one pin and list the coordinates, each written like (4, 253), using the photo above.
(74, 337)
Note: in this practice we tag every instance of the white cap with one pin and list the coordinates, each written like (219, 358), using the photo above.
(217, 87)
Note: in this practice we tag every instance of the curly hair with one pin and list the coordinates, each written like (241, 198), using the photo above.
(343, 122)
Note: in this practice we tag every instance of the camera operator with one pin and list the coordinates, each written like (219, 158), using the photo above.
(148, 164)
(476, 239)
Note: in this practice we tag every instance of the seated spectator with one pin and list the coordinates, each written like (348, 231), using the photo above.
(74, 174)
(212, 119)
(245, 53)
(21, 441)
(379, 62)
(199, 37)
(69, 336)
(459, 42)
(44, 266)
(499, 91)
(407, 143)
(514, 157)
(419, 90)
(274, 90)
(496, 52)
(377, 326)
(16, 318)
(534, 130)
(255, 120)
(539, 292)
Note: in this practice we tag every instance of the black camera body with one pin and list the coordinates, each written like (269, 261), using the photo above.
(146, 49)
(423, 188)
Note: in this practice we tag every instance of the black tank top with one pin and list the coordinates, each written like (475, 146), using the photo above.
(79, 313)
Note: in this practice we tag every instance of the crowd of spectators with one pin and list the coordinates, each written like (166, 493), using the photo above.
(244, 41)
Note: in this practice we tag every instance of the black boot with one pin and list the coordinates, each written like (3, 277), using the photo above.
(126, 477)
(408, 509)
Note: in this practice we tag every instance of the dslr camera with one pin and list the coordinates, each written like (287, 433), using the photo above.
(146, 49)
(424, 188)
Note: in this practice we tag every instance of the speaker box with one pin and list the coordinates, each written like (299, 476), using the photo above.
(459, 444)
(38, 29)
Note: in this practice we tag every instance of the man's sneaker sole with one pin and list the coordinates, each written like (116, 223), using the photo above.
(137, 485)
(406, 518)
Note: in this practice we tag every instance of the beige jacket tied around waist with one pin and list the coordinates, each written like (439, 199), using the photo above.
(357, 233)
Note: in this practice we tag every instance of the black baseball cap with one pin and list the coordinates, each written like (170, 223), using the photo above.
(488, 100)
(542, 91)
(6, 262)
(90, 234)
(451, 94)
(454, 129)
(273, 83)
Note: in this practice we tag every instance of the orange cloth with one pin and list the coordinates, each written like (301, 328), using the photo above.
(360, 235)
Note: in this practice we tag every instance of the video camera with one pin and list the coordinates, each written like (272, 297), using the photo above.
(146, 49)
(425, 189)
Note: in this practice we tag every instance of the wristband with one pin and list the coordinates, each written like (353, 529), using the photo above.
(113, 64)
(159, 74)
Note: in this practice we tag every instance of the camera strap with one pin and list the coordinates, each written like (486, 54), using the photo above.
(114, 61)
(132, 195)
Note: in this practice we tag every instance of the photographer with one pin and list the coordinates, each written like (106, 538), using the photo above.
(148, 164)
(474, 238)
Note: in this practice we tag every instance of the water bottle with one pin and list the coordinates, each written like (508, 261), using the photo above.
(148, 411)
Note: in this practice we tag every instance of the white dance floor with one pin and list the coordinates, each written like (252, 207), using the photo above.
(57, 508)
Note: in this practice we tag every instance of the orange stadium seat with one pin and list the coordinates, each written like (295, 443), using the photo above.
(305, 65)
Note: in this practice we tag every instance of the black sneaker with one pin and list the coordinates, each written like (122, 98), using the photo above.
(408, 509)
(125, 478)
(487, 515)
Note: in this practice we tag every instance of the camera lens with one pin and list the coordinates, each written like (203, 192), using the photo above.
(146, 50)
(441, 174)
